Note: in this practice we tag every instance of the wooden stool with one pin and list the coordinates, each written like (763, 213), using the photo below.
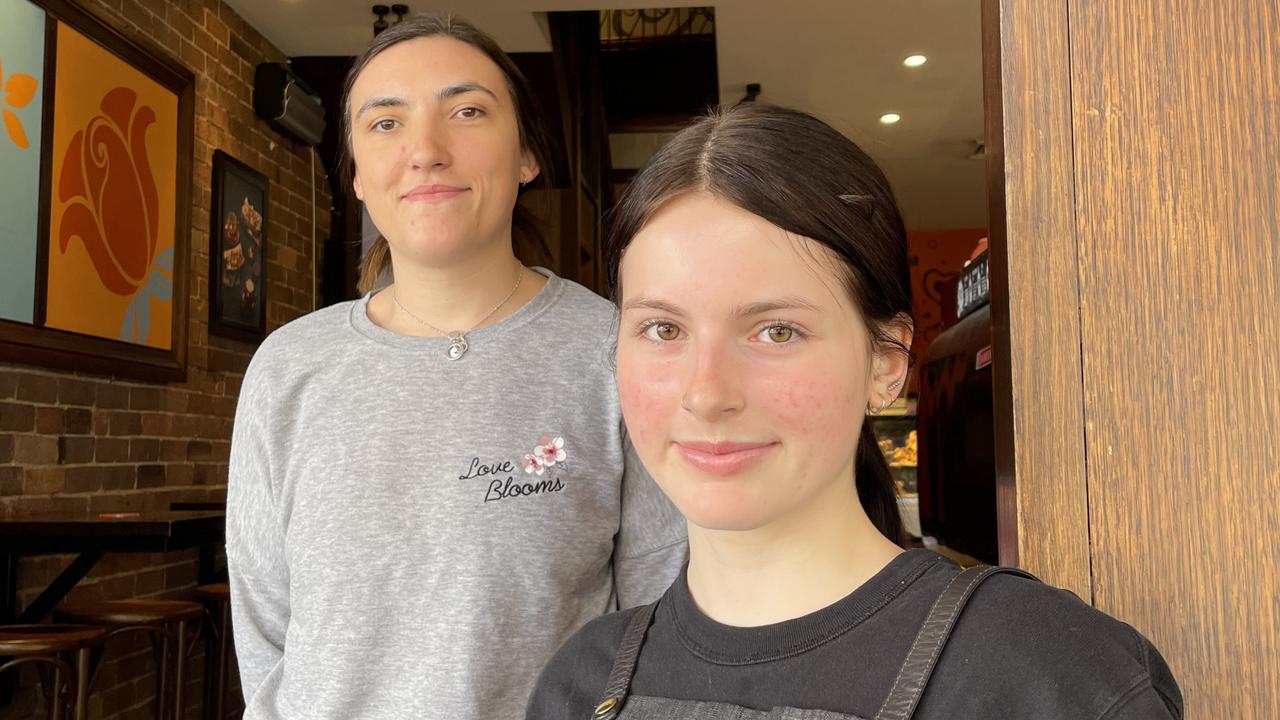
(218, 655)
(45, 644)
(167, 620)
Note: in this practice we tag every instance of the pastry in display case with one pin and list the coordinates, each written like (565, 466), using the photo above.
(895, 430)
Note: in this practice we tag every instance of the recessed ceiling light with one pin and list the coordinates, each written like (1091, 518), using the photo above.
(915, 60)
(890, 118)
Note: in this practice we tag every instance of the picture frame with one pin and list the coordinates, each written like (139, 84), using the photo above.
(113, 125)
(238, 250)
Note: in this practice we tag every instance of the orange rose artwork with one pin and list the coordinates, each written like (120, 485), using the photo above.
(112, 206)
(18, 89)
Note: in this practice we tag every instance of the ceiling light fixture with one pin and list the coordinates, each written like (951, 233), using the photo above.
(890, 118)
(915, 61)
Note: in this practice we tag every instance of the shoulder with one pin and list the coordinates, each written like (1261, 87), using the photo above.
(297, 340)
(576, 304)
(573, 681)
(1035, 644)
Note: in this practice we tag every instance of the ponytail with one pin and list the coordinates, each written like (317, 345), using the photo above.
(376, 262)
(876, 489)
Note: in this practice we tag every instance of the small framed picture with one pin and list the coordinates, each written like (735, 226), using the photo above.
(237, 250)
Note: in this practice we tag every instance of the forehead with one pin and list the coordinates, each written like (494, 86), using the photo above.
(704, 251)
(423, 66)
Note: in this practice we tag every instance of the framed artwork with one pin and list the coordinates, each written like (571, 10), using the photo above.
(95, 215)
(237, 250)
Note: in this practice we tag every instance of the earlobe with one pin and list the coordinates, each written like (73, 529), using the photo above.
(355, 185)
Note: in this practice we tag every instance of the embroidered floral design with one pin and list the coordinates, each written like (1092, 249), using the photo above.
(533, 465)
(551, 451)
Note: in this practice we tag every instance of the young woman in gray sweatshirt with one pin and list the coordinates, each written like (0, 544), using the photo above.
(430, 487)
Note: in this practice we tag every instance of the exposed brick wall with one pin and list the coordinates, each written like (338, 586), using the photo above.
(85, 444)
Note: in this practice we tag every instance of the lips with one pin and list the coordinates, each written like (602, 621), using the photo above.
(433, 193)
(723, 458)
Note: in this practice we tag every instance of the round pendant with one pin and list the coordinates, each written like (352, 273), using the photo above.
(457, 346)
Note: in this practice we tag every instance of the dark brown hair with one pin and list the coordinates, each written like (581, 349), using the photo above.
(533, 135)
(798, 173)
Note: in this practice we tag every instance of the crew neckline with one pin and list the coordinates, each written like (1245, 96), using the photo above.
(729, 645)
(538, 304)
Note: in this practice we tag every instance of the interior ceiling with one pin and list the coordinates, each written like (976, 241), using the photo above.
(838, 59)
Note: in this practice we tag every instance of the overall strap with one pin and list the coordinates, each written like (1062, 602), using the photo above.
(624, 664)
(923, 656)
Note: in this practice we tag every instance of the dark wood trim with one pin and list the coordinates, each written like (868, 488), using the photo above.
(1042, 492)
(223, 164)
(46, 170)
(40, 345)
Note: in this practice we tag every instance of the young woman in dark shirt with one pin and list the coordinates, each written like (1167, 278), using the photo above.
(759, 263)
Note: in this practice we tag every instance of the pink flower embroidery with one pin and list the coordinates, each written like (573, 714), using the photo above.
(533, 465)
(551, 451)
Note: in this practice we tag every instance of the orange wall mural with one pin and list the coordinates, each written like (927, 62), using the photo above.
(936, 258)
(112, 205)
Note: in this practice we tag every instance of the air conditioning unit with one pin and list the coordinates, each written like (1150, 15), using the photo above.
(287, 103)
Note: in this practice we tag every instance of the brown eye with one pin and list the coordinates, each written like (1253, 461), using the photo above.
(662, 332)
(780, 333)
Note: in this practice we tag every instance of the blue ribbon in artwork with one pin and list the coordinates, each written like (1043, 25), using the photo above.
(137, 319)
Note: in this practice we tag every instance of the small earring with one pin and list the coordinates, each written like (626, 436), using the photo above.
(895, 384)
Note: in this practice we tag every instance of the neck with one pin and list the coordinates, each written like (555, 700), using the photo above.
(454, 297)
(794, 566)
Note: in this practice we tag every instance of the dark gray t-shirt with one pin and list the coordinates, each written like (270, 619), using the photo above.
(1020, 650)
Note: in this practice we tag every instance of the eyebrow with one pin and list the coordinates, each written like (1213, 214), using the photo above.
(462, 88)
(442, 94)
(788, 302)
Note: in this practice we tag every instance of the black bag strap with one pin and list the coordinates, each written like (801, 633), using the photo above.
(624, 664)
(923, 656)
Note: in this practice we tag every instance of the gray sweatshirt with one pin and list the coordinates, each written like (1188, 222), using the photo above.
(410, 536)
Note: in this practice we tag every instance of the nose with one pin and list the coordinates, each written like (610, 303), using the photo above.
(430, 147)
(712, 390)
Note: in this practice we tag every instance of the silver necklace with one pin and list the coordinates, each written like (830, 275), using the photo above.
(458, 339)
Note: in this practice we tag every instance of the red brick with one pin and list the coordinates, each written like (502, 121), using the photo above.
(17, 417)
(37, 388)
(6, 448)
(126, 423)
(120, 477)
(8, 384)
(199, 450)
(84, 479)
(179, 475)
(144, 450)
(157, 424)
(35, 450)
(111, 450)
(75, 450)
(150, 476)
(76, 392)
(77, 421)
(11, 480)
(112, 397)
(49, 420)
(60, 505)
(145, 398)
(173, 450)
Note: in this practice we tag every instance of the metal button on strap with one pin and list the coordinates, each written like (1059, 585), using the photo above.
(605, 707)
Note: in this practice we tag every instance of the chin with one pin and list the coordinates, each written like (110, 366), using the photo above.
(725, 509)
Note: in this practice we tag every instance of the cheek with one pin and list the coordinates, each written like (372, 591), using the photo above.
(816, 404)
(649, 397)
